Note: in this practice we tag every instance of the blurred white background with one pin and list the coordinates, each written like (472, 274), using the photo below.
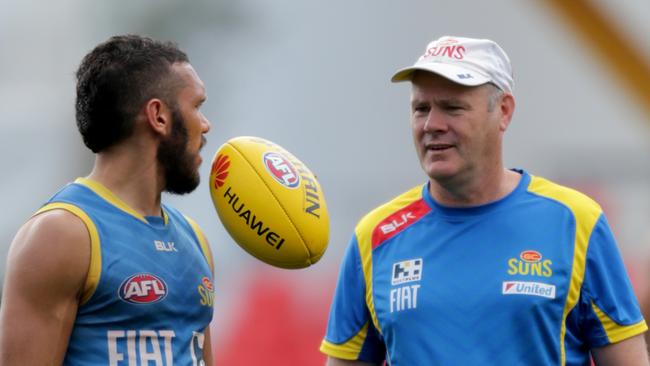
(313, 76)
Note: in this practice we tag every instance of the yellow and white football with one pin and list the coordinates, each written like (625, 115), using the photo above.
(270, 203)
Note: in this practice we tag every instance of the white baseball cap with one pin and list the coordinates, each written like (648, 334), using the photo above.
(466, 61)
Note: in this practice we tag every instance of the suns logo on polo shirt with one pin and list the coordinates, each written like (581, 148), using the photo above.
(530, 263)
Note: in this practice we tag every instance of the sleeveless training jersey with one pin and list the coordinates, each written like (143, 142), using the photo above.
(532, 279)
(148, 295)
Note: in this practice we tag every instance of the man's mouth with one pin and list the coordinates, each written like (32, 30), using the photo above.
(438, 146)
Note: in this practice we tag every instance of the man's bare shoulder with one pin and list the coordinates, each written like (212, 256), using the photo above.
(46, 270)
(53, 243)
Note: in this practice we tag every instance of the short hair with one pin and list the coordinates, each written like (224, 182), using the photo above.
(115, 79)
(495, 94)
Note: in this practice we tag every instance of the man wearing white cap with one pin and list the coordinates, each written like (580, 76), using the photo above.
(481, 265)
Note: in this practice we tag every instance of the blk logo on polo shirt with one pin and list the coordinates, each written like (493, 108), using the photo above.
(407, 271)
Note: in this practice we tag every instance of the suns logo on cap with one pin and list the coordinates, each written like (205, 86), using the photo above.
(220, 170)
(281, 169)
(449, 48)
(143, 288)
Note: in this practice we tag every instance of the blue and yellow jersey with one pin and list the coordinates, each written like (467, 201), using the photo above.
(534, 278)
(148, 294)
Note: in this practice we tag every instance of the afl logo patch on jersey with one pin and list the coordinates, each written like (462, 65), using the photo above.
(281, 169)
(143, 288)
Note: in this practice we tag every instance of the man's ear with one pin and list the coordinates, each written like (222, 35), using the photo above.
(158, 116)
(507, 109)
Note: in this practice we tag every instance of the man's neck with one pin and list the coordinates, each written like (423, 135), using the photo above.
(136, 181)
(475, 191)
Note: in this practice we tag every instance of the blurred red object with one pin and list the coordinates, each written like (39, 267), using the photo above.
(282, 322)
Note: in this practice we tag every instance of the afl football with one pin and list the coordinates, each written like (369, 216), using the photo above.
(270, 203)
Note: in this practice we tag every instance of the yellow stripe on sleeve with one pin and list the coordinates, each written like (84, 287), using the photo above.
(349, 350)
(364, 232)
(95, 267)
(202, 241)
(615, 332)
(365, 252)
(586, 213)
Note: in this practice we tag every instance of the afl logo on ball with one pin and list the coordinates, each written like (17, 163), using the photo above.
(281, 169)
(143, 288)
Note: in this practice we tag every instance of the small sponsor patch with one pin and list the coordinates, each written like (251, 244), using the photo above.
(528, 288)
(407, 271)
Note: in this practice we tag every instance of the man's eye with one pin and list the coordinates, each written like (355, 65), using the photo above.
(421, 109)
(454, 109)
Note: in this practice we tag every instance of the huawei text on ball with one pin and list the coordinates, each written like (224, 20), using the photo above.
(255, 224)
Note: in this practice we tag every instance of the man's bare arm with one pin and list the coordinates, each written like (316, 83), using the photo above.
(45, 274)
(629, 352)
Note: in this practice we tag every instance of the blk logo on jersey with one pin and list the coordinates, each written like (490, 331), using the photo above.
(143, 288)
(281, 169)
(406, 271)
(165, 246)
(528, 288)
(398, 222)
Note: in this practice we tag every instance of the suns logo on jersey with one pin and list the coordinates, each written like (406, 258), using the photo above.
(530, 263)
(206, 291)
(143, 288)
(281, 169)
